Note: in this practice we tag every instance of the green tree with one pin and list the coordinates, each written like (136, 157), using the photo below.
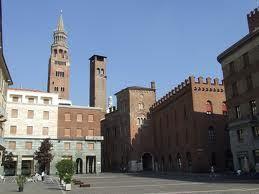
(43, 155)
(8, 163)
(7, 160)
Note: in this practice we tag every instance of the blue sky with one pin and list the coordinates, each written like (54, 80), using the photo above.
(144, 40)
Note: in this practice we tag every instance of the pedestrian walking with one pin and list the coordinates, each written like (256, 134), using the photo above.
(212, 172)
(42, 176)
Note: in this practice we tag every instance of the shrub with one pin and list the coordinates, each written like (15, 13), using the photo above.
(66, 169)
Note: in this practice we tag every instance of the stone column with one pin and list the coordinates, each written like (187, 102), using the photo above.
(19, 165)
(84, 164)
(251, 160)
(87, 165)
(1, 167)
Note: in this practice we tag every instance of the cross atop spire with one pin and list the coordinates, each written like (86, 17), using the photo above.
(60, 26)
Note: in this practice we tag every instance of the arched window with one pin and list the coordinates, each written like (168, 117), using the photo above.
(224, 109)
(102, 71)
(209, 108)
(211, 134)
(66, 54)
(55, 52)
(140, 106)
(139, 122)
(98, 71)
(179, 160)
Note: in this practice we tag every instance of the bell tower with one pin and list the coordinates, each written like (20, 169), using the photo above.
(59, 66)
(98, 82)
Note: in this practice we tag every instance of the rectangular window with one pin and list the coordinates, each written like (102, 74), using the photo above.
(79, 117)
(240, 135)
(256, 131)
(13, 130)
(45, 131)
(79, 146)
(45, 101)
(29, 130)
(231, 67)
(28, 145)
(238, 112)
(67, 146)
(67, 132)
(46, 115)
(90, 118)
(15, 98)
(90, 146)
(252, 105)
(67, 117)
(256, 156)
(31, 100)
(246, 60)
(30, 114)
(91, 132)
(249, 82)
(12, 145)
(14, 113)
(79, 132)
(234, 89)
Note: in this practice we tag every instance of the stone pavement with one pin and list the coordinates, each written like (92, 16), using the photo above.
(112, 183)
(143, 183)
(50, 186)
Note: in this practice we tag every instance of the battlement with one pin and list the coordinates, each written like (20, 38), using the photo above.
(253, 20)
(207, 81)
(174, 92)
(253, 13)
(197, 84)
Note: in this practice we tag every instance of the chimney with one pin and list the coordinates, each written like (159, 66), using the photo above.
(153, 85)
(253, 20)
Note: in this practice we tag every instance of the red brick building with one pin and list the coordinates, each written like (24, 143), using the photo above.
(184, 130)
(79, 135)
(188, 127)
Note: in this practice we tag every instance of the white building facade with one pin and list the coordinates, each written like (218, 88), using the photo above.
(32, 117)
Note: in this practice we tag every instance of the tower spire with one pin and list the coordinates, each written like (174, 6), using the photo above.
(60, 26)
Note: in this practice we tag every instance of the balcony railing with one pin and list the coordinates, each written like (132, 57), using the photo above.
(243, 120)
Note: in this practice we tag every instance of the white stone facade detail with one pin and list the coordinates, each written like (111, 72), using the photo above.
(43, 102)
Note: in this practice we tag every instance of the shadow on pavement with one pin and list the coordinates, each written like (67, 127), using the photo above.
(192, 177)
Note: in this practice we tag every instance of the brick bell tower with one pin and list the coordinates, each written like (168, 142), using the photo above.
(59, 66)
(98, 82)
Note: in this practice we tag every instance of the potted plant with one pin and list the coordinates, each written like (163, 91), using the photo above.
(20, 180)
(68, 180)
(66, 170)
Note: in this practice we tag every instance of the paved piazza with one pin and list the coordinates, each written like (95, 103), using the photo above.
(113, 183)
